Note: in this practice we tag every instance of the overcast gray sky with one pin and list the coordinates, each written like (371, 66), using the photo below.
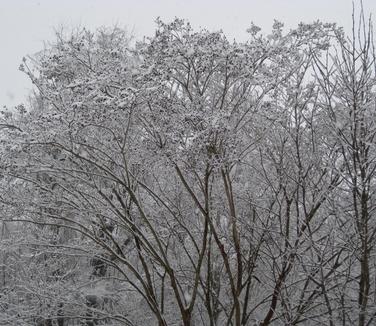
(26, 24)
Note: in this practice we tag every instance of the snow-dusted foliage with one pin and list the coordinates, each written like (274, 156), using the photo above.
(190, 180)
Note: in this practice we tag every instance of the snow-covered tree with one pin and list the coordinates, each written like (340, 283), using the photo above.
(190, 180)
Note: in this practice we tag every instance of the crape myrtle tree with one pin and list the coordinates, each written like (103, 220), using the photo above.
(242, 153)
(185, 180)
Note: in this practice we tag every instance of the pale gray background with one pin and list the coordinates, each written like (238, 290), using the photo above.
(26, 24)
